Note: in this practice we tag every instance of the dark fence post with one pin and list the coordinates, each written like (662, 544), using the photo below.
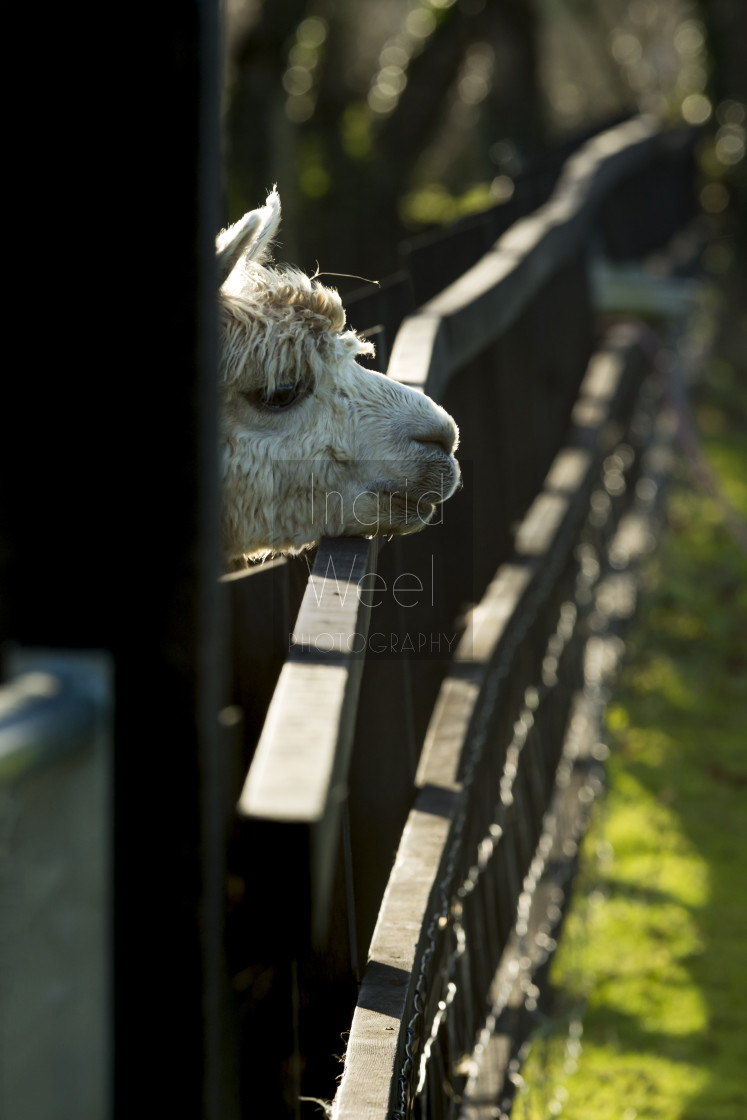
(112, 530)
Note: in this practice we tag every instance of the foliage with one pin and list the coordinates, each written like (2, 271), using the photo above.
(377, 119)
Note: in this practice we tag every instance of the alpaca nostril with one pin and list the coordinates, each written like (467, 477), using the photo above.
(438, 444)
(442, 438)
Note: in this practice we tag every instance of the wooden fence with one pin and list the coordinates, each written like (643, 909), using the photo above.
(412, 872)
(357, 874)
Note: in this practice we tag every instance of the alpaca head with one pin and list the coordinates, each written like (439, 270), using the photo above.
(313, 443)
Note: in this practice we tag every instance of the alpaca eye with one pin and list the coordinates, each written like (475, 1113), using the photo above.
(283, 396)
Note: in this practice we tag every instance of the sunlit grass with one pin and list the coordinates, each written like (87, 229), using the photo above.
(652, 958)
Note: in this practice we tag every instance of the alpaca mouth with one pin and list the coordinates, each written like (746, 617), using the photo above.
(401, 510)
(406, 504)
(437, 482)
(455, 478)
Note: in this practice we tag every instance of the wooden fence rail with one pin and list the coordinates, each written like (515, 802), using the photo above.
(500, 740)
(375, 838)
(341, 680)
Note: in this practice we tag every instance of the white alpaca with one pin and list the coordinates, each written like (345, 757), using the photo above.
(313, 444)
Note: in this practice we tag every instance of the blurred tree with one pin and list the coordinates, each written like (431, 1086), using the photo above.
(372, 115)
(256, 130)
(344, 104)
(726, 24)
(725, 158)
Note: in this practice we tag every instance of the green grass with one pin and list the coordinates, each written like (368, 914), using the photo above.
(653, 957)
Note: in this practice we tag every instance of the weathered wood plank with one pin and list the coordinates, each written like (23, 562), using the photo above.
(299, 771)
(261, 609)
(469, 314)
(305, 740)
(376, 1044)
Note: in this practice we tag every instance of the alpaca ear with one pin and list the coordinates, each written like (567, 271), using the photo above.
(251, 237)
